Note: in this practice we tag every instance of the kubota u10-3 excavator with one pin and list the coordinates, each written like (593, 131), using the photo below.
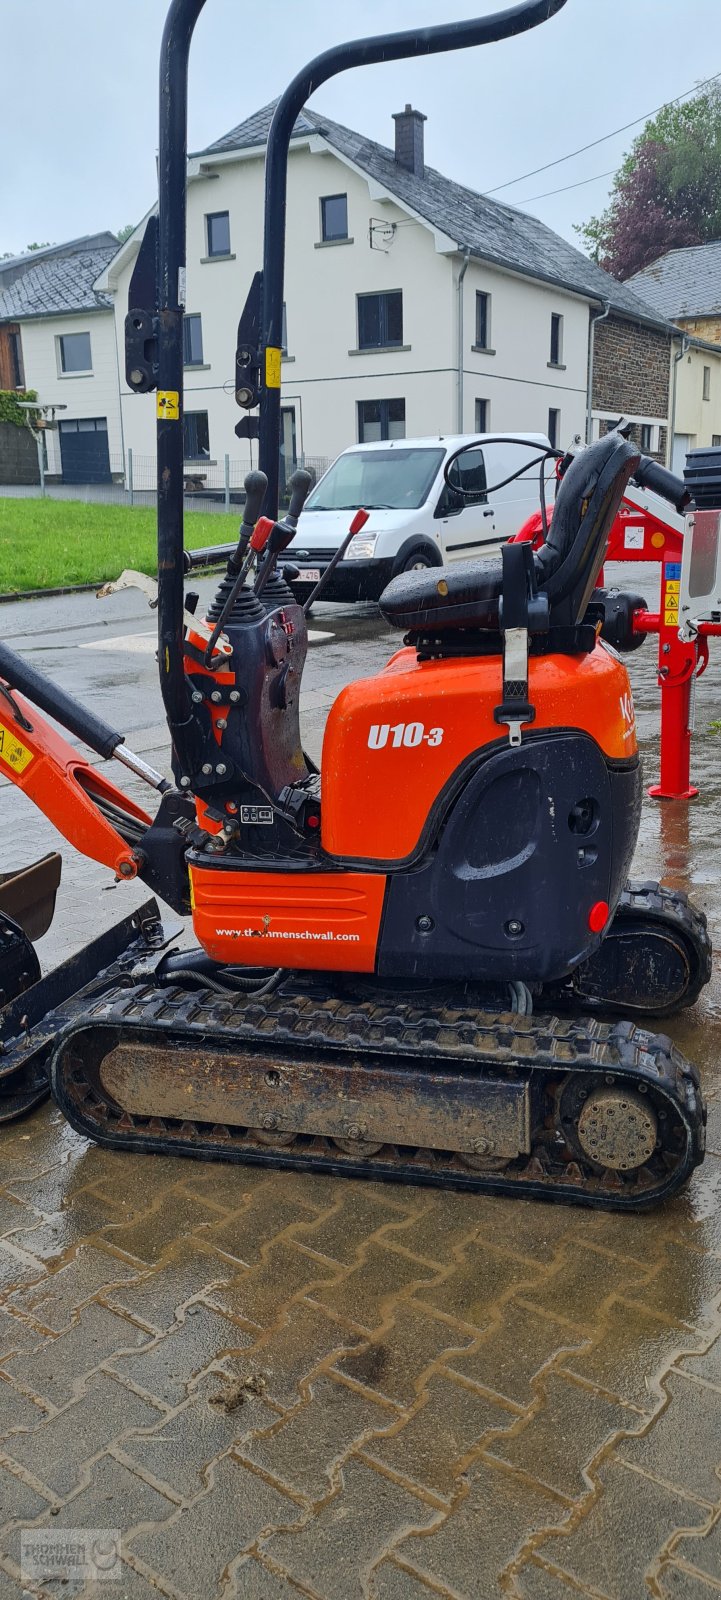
(404, 959)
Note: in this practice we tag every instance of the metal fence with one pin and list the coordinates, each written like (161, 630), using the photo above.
(210, 485)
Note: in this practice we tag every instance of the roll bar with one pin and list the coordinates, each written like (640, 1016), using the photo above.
(167, 341)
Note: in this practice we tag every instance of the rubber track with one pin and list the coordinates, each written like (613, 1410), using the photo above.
(458, 1037)
(646, 903)
(657, 903)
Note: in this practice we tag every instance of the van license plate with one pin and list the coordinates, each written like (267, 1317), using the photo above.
(308, 575)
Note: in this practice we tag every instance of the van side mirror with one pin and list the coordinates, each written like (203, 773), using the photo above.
(466, 476)
(450, 502)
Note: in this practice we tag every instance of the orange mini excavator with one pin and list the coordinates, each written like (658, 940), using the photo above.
(401, 958)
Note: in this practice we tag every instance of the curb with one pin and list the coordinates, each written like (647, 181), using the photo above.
(41, 594)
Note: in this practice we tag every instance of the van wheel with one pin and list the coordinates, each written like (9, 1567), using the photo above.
(416, 560)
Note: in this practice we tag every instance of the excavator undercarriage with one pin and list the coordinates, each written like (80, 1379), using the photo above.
(441, 1086)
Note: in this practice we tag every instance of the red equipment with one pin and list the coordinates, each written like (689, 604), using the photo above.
(647, 529)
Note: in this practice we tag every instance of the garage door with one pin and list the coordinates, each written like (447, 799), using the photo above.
(84, 450)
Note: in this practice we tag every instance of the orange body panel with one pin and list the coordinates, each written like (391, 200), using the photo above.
(392, 742)
(52, 774)
(317, 920)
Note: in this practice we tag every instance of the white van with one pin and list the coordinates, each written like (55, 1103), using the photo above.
(415, 520)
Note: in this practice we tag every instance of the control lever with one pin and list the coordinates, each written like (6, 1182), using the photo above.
(359, 521)
(252, 547)
(283, 532)
(255, 485)
(300, 486)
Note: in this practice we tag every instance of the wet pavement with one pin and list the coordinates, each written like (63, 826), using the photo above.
(273, 1385)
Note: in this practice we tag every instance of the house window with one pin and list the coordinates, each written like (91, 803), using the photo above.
(381, 419)
(218, 233)
(380, 320)
(74, 352)
(554, 427)
(16, 360)
(483, 320)
(483, 414)
(716, 440)
(192, 341)
(196, 438)
(556, 340)
(707, 383)
(646, 436)
(333, 217)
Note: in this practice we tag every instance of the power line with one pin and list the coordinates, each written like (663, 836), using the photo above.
(594, 142)
(566, 186)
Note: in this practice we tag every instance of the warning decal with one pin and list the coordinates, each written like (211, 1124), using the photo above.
(169, 404)
(671, 602)
(272, 367)
(12, 752)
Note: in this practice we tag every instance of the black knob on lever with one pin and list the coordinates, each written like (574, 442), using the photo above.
(255, 484)
(300, 486)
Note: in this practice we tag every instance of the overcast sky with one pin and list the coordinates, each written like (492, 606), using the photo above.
(80, 92)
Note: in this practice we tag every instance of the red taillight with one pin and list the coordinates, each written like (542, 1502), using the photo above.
(598, 916)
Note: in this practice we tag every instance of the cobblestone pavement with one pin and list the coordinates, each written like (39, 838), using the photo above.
(278, 1386)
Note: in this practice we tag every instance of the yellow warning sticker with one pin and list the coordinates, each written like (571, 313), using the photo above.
(272, 367)
(671, 619)
(169, 404)
(671, 602)
(12, 752)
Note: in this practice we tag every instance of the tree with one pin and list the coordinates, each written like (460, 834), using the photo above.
(124, 233)
(9, 255)
(667, 192)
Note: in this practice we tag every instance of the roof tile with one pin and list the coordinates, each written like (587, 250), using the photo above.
(683, 283)
(56, 283)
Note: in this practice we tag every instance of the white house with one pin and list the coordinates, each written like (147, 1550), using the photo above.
(60, 335)
(413, 305)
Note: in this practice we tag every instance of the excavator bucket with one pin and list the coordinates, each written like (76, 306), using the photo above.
(28, 896)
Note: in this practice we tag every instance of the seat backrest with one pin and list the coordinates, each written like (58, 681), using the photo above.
(568, 563)
(467, 594)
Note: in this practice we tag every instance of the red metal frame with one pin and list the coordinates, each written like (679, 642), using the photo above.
(638, 534)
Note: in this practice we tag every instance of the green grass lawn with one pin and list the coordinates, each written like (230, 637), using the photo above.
(45, 544)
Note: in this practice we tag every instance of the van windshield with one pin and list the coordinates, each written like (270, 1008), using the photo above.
(380, 480)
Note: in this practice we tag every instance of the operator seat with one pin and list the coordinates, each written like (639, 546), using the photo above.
(467, 594)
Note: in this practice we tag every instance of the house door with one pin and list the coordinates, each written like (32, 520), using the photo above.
(84, 450)
(681, 445)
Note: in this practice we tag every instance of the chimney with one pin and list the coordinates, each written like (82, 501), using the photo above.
(409, 140)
